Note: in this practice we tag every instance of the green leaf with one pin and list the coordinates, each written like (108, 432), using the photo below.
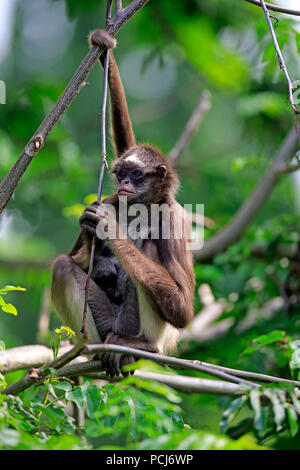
(278, 408)
(264, 340)
(93, 400)
(76, 396)
(65, 386)
(65, 329)
(12, 288)
(8, 308)
(258, 416)
(230, 412)
(292, 420)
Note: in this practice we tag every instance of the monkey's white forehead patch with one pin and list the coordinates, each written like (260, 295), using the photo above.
(134, 159)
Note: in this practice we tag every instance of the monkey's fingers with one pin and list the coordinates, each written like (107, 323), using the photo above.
(124, 361)
(89, 228)
(110, 364)
(90, 217)
(89, 221)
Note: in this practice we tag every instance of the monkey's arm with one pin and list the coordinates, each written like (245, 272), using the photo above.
(121, 127)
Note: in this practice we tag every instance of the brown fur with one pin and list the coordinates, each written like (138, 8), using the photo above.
(155, 280)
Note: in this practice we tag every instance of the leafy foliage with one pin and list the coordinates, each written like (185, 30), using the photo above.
(222, 45)
(9, 308)
(136, 414)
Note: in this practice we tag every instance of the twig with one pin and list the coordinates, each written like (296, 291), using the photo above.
(254, 376)
(69, 355)
(204, 104)
(289, 168)
(119, 7)
(288, 11)
(37, 375)
(165, 360)
(280, 57)
(10, 182)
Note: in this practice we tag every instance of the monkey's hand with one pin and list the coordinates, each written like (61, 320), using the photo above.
(100, 37)
(99, 219)
(113, 363)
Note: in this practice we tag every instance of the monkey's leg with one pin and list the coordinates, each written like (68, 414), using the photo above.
(68, 293)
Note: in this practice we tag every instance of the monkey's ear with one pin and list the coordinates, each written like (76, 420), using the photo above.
(161, 171)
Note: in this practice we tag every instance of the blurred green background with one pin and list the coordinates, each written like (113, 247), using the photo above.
(168, 53)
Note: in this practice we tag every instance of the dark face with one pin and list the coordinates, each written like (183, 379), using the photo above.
(135, 178)
(130, 182)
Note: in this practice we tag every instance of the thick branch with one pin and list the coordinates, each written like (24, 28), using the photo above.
(26, 357)
(23, 357)
(19, 264)
(10, 182)
(195, 120)
(240, 222)
(288, 11)
(180, 383)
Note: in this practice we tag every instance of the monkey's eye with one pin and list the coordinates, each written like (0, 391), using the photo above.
(137, 173)
(121, 174)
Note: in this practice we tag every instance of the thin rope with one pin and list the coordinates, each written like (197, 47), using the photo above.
(102, 167)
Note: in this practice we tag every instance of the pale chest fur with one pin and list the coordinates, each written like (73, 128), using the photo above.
(156, 330)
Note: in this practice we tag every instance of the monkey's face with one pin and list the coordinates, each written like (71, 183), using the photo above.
(138, 179)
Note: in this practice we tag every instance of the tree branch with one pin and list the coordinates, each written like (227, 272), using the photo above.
(38, 375)
(10, 182)
(204, 104)
(165, 360)
(33, 356)
(288, 11)
(19, 264)
(240, 222)
(119, 7)
(280, 57)
(289, 168)
(180, 383)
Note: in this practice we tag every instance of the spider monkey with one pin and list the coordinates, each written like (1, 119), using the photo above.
(141, 291)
